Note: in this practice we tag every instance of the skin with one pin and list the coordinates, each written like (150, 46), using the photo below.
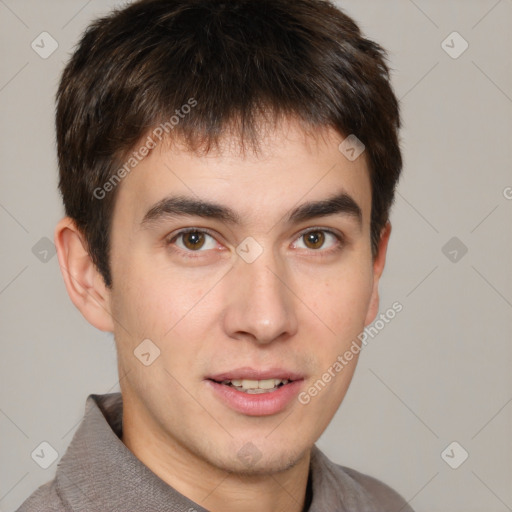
(296, 306)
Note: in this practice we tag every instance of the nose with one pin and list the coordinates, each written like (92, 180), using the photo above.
(260, 304)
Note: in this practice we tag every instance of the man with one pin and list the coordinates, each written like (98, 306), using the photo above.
(227, 170)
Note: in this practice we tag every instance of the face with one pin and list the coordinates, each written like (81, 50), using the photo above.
(249, 299)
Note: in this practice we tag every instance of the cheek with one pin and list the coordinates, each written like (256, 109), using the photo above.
(151, 301)
(342, 299)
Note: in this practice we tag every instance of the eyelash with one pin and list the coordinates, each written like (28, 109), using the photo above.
(341, 241)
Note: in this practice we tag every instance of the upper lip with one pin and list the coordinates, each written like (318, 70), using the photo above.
(254, 374)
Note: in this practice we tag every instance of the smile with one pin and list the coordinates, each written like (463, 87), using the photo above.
(255, 387)
(255, 392)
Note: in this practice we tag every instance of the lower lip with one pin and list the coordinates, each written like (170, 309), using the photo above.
(261, 404)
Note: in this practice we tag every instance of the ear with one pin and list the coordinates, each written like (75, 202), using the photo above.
(378, 267)
(85, 285)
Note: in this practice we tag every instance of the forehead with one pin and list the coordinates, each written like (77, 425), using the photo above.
(291, 165)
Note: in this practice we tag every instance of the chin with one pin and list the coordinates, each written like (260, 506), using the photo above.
(249, 460)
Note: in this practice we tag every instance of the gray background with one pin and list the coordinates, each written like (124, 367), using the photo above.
(438, 373)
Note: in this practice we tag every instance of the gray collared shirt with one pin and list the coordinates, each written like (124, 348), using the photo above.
(98, 473)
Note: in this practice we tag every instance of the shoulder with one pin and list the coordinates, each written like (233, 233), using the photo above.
(43, 499)
(387, 498)
(355, 490)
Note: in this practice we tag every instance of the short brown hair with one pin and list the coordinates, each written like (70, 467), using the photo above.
(239, 60)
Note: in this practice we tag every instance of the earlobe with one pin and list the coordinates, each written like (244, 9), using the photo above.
(84, 284)
(378, 268)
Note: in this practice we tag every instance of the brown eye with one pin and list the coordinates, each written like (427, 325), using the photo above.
(314, 239)
(193, 240)
(320, 241)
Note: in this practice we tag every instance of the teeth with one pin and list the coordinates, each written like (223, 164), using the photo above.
(267, 384)
(256, 386)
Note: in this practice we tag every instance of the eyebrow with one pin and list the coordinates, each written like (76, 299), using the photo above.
(179, 206)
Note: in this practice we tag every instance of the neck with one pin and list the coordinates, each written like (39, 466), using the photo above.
(211, 487)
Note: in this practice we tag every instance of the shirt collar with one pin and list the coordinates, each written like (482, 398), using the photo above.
(98, 472)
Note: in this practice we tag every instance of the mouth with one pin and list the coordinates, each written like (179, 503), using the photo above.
(254, 387)
(256, 392)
